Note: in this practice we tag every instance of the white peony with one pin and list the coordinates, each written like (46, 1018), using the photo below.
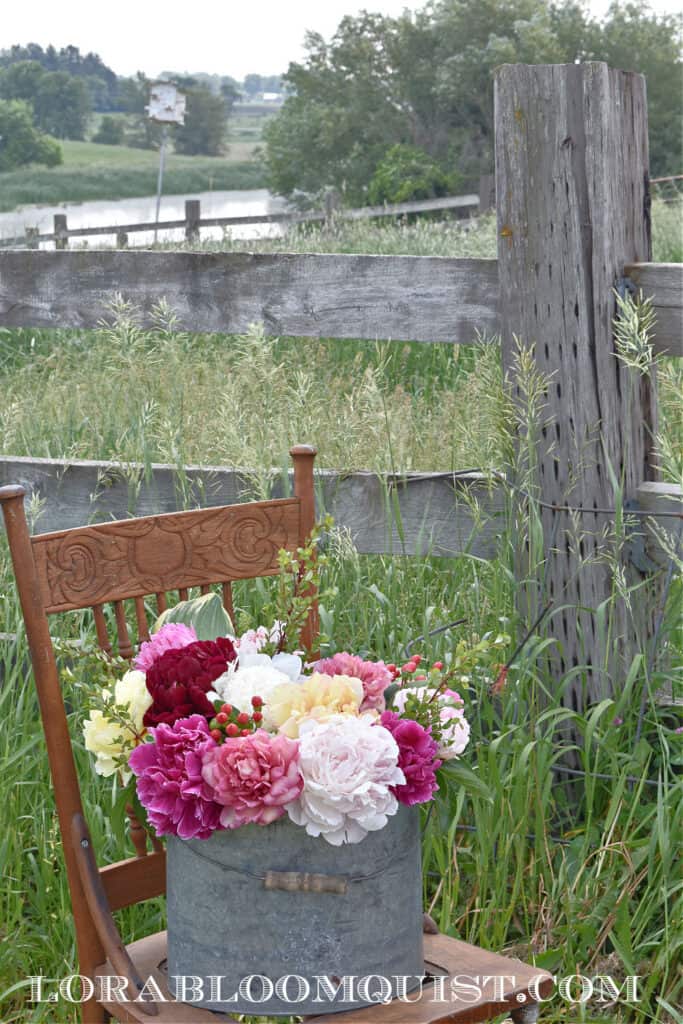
(348, 765)
(110, 741)
(256, 675)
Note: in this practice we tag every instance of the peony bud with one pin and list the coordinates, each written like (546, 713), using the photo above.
(257, 702)
(438, 665)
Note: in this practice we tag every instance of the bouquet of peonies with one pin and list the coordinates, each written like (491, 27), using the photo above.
(239, 730)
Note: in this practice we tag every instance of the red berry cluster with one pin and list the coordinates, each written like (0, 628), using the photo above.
(411, 667)
(230, 722)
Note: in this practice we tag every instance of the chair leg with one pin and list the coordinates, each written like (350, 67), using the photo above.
(94, 1013)
(525, 1014)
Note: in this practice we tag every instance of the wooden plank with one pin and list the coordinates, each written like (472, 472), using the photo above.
(663, 282)
(663, 532)
(439, 514)
(416, 298)
(571, 187)
(138, 878)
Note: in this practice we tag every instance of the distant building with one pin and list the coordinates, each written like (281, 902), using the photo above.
(272, 97)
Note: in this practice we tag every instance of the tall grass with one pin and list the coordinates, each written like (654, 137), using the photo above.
(576, 872)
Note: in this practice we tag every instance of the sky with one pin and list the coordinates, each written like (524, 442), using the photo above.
(229, 37)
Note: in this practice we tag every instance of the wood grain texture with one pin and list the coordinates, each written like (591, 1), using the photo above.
(663, 282)
(138, 878)
(93, 565)
(509, 985)
(335, 296)
(442, 516)
(573, 209)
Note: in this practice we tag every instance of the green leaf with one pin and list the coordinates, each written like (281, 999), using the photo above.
(462, 774)
(205, 614)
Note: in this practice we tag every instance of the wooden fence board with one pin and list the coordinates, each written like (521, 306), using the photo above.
(405, 298)
(440, 515)
(664, 283)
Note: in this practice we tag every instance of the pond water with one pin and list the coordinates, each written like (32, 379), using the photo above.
(238, 203)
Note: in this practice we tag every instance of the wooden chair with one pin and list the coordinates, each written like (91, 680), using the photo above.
(127, 561)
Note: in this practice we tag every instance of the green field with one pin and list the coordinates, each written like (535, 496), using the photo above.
(577, 874)
(94, 171)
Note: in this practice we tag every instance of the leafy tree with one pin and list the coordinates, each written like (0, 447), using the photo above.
(205, 125)
(133, 93)
(20, 81)
(103, 88)
(110, 132)
(253, 85)
(141, 133)
(426, 79)
(405, 173)
(20, 142)
(231, 93)
(634, 39)
(62, 105)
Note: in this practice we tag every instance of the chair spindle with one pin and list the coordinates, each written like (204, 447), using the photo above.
(125, 646)
(161, 602)
(227, 600)
(101, 629)
(141, 616)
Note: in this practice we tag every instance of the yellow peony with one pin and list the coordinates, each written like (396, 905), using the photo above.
(318, 698)
(110, 741)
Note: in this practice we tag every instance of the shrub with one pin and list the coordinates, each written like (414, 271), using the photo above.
(20, 142)
(405, 173)
(110, 131)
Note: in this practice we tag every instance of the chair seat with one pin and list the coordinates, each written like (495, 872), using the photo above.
(444, 956)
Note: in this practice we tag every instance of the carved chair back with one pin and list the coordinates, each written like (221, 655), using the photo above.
(116, 562)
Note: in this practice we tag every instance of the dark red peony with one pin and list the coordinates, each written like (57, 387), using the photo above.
(180, 679)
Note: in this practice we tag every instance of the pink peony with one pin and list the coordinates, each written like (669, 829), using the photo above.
(416, 759)
(170, 637)
(170, 784)
(253, 777)
(374, 675)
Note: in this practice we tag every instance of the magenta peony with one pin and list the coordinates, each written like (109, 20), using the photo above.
(180, 679)
(253, 777)
(417, 758)
(169, 779)
(170, 637)
(374, 675)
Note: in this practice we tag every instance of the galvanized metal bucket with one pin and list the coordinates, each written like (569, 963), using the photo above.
(268, 920)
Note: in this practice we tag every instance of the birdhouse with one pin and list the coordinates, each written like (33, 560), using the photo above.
(166, 103)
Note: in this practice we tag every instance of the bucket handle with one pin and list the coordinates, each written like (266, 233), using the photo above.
(305, 881)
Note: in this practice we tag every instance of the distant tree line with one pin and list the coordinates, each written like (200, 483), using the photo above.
(398, 108)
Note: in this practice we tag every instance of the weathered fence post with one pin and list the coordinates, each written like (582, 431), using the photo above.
(59, 229)
(31, 241)
(121, 239)
(572, 198)
(192, 217)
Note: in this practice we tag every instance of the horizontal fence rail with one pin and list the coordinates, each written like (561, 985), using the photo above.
(438, 514)
(407, 298)
(192, 222)
(401, 298)
(418, 514)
